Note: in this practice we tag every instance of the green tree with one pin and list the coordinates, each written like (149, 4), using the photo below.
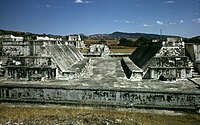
(126, 42)
(103, 42)
(142, 41)
(193, 40)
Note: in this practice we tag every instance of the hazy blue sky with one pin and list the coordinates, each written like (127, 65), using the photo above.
(63, 17)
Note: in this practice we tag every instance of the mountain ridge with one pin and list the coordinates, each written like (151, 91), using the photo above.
(119, 35)
(114, 35)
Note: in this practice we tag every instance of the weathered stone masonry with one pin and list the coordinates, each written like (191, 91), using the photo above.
(47, 60)
(115, 97)
(160, 58)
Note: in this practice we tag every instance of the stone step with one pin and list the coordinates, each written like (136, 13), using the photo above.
(194, 70)
(195, 73)
(195, 76)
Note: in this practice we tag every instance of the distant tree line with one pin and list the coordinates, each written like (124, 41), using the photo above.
(193, 40)
(138, 42)
(144, 40)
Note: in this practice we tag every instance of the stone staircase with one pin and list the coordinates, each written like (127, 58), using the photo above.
(195, 72)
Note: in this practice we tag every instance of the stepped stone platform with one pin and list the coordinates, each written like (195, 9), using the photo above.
(104, 83)
(68, 59)
(36, 60)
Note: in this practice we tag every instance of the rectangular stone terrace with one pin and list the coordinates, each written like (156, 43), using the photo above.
(107, 73)
(104, 83)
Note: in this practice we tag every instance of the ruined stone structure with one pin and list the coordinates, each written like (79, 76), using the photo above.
(156, 59)
(99, 49)
(42, 60)
(76, 41)
(46, 38)
(193, 50)
(88, 54)
(115, 97)
(45, 71)
(10, 38)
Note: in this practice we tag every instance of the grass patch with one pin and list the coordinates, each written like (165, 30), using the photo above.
(55, 114)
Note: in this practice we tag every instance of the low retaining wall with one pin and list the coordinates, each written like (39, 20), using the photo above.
(115, 97)
(131, 71)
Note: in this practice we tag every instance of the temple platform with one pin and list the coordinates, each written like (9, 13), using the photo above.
(104, 83)
(107, 73)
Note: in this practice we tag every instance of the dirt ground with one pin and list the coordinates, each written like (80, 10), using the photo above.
(126, 50)
(27, 114)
